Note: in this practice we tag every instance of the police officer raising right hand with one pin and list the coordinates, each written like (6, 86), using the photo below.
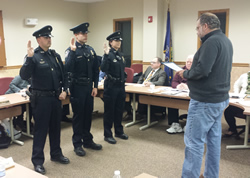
(113, 65)
(83, 67)
(45, 68)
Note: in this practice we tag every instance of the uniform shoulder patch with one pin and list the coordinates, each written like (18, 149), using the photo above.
(67, 53)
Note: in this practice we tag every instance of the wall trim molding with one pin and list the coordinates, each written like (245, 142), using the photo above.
(135, 62)
(10, 67)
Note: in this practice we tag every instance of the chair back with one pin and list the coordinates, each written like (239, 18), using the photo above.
(4, 84)
(137, 68)
(130, 74)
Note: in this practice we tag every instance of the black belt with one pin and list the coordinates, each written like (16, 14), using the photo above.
(114, 79)
(45, 93)
(82, 81)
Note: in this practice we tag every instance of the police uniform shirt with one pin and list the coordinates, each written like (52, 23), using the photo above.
(44, 69)
(83, 63)
(114, 64)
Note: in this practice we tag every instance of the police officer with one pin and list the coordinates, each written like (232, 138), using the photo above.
(46, 70)
(114, 89)
(82, 65)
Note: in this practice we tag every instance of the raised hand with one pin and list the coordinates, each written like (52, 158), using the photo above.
(30, 50)
(106, 48)
(72, 44)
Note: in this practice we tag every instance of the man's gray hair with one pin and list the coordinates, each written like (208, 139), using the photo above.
(210, 19)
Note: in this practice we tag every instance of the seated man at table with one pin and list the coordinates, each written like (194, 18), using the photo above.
(241, 87)
(18, 85)
(154, 75)
(180, 84)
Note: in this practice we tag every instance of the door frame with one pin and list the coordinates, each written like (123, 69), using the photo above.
(2, 46)
(115, 29)
(215, 11)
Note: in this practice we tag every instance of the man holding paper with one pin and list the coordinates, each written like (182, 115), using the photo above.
(209, 82)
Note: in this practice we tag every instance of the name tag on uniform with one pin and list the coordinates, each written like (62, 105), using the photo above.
(79, 56)
(114, 60)
(42, 61)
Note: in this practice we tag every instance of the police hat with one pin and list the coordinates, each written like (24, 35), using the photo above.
(114, 36)
(45, 31)
(80, 28)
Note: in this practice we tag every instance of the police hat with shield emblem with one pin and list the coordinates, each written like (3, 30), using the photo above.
(83, 28)
(45, 31)
(114, 36)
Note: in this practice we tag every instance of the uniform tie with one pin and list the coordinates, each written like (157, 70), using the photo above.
(149, 76)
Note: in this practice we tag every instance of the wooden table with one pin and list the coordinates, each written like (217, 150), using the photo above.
(14, 108)
(22, 172)
(180, 101)
(247, 113)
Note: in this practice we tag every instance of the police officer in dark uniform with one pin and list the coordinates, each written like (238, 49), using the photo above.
(48, 88)
(82, 66)
(113, 65)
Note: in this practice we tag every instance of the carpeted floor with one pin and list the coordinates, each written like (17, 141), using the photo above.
(152, 151)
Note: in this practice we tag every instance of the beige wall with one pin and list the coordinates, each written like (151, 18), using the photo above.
(61, 15)
(101, 15)
(183, 22)
(64, 15)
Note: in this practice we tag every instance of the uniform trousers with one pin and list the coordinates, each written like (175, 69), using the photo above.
(114, 100)
(82, 106)
(47, 115)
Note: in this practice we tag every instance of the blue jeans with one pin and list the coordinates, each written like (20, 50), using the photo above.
(203, 126)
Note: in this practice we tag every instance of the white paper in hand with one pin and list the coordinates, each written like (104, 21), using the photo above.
(173, 66)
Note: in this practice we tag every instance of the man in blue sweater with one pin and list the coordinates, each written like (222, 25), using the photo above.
(209, 83)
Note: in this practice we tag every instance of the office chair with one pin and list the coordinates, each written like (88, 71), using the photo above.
(137, 68)
(4, 84)
(130, 74)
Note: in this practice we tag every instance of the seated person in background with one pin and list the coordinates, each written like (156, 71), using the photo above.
(180, 84)
(240, 87)
(102, 76)
(18, 85)
(154, 75)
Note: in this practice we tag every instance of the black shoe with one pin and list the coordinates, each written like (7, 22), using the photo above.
(128, 117)
(60, 159)
(110, 140)
(140, 116)
(93, 146)
(79, 151)
(40, 169)
(66, 119)
(230, 134)
(122, 136)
